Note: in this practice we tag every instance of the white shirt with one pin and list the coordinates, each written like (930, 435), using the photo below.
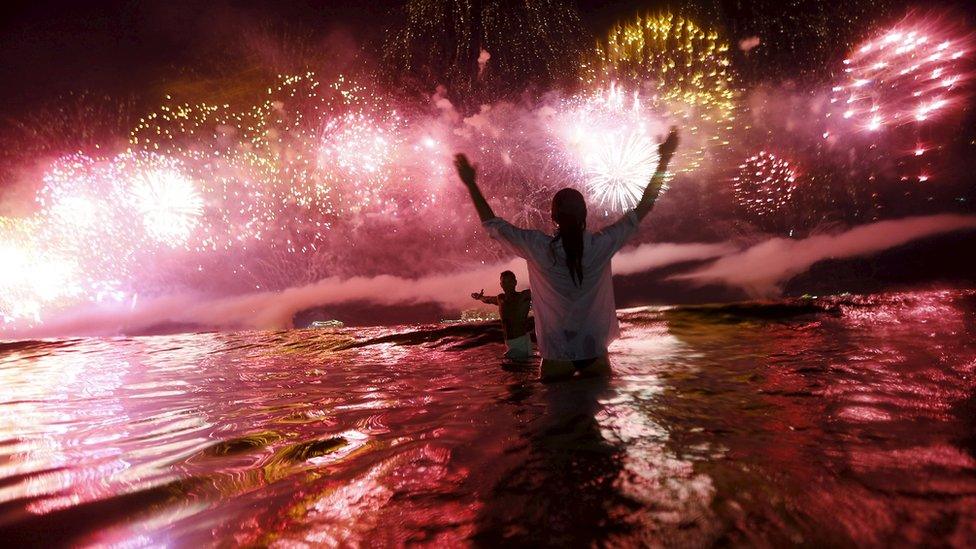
(571, 322)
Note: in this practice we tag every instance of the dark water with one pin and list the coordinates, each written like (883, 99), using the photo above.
(845, 421)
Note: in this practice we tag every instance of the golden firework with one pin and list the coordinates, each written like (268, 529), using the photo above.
(672, 64)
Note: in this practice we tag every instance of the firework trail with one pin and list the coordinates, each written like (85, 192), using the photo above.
(487, 49)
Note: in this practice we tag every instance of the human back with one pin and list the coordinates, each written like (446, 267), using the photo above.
(513, 309)
(574, 308)
(570, 271)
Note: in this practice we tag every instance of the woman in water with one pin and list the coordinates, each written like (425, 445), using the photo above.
(572, 290)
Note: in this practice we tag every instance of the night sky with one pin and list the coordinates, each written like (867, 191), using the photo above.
(135, 49)
(123, 58)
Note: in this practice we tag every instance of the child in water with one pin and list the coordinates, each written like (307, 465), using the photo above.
(513, 308)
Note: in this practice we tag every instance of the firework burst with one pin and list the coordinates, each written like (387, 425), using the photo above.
(169, 204)
(86, 220)
(913, 73)
(617, 170)
(899, 86)
(607, 138)
(34, 277)
(675, 68)
(764, 183)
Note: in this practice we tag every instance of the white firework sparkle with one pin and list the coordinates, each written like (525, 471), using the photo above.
(169, 204)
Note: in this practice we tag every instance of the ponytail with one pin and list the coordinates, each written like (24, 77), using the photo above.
(569, 213)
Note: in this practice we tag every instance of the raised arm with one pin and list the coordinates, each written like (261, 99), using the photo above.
(665, 152)
(467, 174)
(519, 241)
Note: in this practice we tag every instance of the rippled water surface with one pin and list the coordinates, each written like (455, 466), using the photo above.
(840, 421)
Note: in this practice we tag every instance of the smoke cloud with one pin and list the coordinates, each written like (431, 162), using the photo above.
(275, 310)
(749, 43)
(761, 269)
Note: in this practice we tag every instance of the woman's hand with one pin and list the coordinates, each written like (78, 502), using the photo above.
(467, 174)
(464, 169)
(667, 147)
(665, 151)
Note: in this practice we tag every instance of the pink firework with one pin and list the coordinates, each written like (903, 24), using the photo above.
(164, 198)
(357, 144)
(85, 217)
(356, 155)
(34, 276)
(764, 183)
(913, 73)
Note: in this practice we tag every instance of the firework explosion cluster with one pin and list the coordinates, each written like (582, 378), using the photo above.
(673, 66)
(882, 126)
(764, 183)
(340, 177)
(897, 86)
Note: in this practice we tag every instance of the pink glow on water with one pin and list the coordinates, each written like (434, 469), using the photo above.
(352, 436)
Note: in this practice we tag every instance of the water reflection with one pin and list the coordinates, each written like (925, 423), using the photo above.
(555, 483)
(838, 417)
(843, 421)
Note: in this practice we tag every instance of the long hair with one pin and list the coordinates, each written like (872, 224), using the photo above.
(569, 213)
